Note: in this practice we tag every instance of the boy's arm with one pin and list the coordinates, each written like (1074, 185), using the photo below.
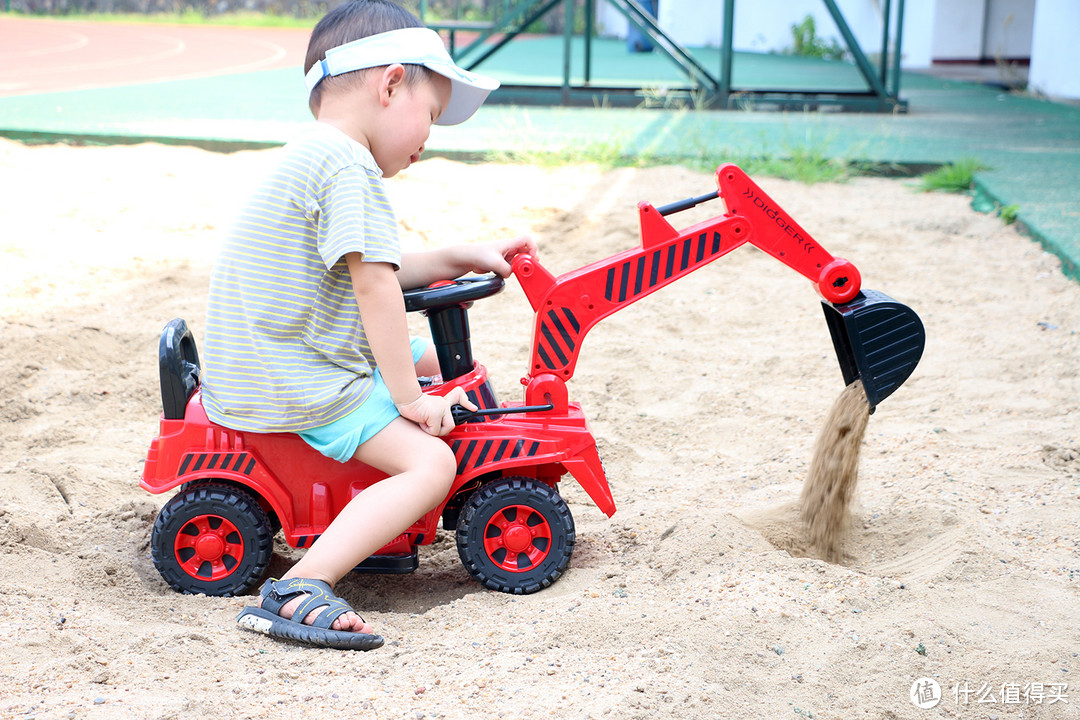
(421, 269)
(382, 311)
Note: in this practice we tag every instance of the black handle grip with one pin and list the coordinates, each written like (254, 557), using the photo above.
(687, 203)
(463, 414)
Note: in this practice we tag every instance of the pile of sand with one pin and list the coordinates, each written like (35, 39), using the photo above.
(960, 563)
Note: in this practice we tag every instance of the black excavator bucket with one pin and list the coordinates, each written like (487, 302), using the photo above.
(877, 340)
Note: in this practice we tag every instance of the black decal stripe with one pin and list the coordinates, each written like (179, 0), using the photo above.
(715, 243)
(568, 339)
(213, 461)
(226, 460)
(250, 466)
(639, 275)
(610, 283)
(624, 280)
(199, 462)
(239, 461)
(500, 450)
(670, 268)
(483, 453)
(572, 320)
(701, 246)
(307, 540)
(654, 273)
(534, 448)
(518, 447)
(686, 253)
(464, 463)
(475, 399)
(184, 465)
(545, 357)
(554, 345)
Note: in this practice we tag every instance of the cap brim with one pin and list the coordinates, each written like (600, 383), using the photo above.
(415, 46)
(468, 91)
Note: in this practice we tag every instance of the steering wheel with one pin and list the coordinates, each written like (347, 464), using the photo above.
(452, 292)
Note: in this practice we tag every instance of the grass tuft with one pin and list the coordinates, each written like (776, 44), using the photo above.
(800, 163)
(957, 177)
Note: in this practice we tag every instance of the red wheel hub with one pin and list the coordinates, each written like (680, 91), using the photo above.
(517, 538)
(208, 547)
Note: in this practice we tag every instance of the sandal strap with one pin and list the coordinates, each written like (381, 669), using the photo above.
(276, 593)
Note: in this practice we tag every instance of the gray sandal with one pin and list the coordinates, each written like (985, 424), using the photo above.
(276, 593)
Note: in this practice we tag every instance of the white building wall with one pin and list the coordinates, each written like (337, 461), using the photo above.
(1009, 29)
(765, 25)
(958, 29)
(1055, 52)
(974, 30)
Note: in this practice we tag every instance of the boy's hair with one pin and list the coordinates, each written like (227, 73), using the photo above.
(353, 20)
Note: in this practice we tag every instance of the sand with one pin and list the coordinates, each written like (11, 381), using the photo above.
(825, 501)
(960, 563)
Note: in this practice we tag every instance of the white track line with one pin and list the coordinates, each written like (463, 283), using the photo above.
(274, 53)
(277, 52)
(178, 47)
(78, 41)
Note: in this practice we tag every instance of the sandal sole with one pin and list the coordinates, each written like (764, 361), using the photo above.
(267, 623)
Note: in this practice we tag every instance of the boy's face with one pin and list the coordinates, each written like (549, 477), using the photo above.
(407, 122)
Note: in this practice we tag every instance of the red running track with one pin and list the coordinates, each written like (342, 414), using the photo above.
(40, 55)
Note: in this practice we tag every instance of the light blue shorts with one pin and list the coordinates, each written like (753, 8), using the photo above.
(339, 439)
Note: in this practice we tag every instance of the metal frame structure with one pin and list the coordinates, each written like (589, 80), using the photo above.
(703, 86)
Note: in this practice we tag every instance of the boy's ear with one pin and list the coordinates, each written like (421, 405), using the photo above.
(391, 80)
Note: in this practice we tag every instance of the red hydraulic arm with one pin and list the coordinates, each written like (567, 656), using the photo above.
(569, 306)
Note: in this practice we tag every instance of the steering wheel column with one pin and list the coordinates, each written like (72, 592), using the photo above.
(446, 304)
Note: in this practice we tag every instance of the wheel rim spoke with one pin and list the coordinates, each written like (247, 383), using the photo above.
(208, 547)
(517, 538)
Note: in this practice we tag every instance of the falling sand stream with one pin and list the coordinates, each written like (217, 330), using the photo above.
(815, 525)
(834, 471)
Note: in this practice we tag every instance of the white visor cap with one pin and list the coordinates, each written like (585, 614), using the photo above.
(409, 46)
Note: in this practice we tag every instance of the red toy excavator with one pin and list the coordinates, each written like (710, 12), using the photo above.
(514, 532)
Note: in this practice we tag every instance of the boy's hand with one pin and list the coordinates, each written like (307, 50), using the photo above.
(432, 412)
(496, 256)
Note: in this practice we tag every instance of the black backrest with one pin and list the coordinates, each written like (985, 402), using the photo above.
(178, 362)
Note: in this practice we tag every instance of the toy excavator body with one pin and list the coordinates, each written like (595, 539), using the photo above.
(514, 532)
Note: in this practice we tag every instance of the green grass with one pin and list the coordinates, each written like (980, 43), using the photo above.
(191, 16)
(800, 163)
(1008, 213)
(955, 177)
(959, 177)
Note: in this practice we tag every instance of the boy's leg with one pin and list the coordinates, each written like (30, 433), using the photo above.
(421, 469)
(428, 364)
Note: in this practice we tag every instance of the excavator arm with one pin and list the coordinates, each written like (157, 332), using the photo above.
(877, 339)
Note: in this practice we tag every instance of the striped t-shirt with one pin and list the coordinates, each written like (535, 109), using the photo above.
(285, 349)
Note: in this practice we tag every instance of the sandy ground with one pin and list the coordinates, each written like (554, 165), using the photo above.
(962, 563)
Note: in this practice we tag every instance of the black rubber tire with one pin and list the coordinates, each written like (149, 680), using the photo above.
(524, 504)
(238, 525)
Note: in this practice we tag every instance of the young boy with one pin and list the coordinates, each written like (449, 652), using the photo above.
(306, 327)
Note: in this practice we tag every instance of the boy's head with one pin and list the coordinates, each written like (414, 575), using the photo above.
(362, 34)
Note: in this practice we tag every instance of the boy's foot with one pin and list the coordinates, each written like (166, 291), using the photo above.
(308, 611)
(347, 622)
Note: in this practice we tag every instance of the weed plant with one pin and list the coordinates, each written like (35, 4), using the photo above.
(957, 177)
